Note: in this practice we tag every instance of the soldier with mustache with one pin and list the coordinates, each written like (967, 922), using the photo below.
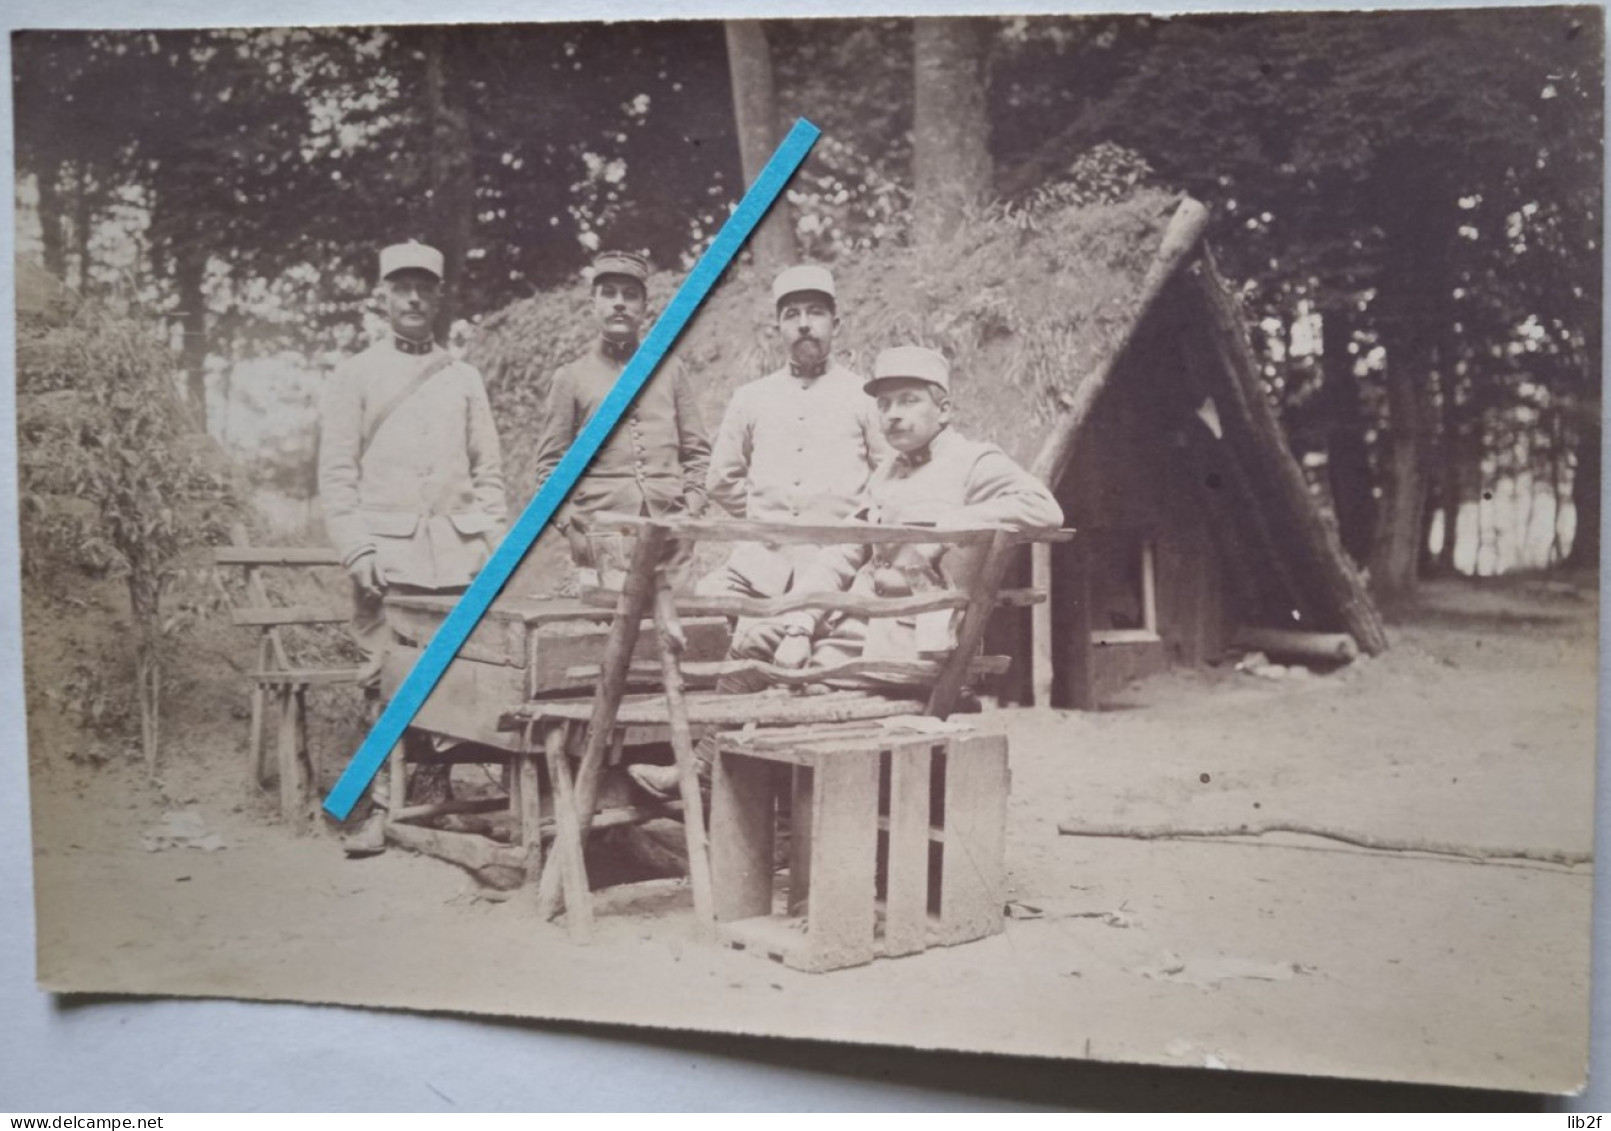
(797, 444)
(655, 462)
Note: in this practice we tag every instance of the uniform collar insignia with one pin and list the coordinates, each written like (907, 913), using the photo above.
(418, 349)
(617, 351)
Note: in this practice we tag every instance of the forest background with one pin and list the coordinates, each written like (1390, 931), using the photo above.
(1409, 204)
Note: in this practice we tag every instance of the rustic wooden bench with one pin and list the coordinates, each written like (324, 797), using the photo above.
(924, 686)
(279, 684)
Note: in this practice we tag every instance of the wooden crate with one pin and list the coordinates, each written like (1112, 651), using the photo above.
(897, 843)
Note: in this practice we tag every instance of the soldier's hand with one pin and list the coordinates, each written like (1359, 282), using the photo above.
(366, 575)
(758, 639)
(793, 652)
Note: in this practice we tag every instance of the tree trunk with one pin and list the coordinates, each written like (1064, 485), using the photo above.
(452, 165)
(1414, 314)
(53, 237)
(1347, 451)
(749, 66)
(83, 221)
(190, 271)
(1586, 488)
(951, 163)
(1396, 559)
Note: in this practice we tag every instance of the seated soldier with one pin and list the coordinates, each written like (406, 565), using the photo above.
(936, 476)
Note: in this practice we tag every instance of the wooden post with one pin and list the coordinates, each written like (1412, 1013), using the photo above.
(637, 592)
(1079, 666)
(527, 802)
(397, 778)
(906, 908)
(295, 787)
(981, 603)
(257, 763)
(1040, 623)
(669, 630)
(568, 838)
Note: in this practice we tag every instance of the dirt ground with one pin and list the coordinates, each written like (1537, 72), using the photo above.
(1286, 953)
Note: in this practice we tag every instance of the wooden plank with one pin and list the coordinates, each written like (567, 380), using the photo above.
(981, 601)
(906, 904)
(446, 808)
(858, 604)
(1040, 627)
(303, 677)
(844, 847)
(464, 849)
(275, 556)
(818, 533)
(973, 884)
(568, 657)
(717, 710)
(572, 867)
(742, 825)
(531, 611)
(601, 715)
(669, 633)
(901, 672)
(287, 614)
(800, 784)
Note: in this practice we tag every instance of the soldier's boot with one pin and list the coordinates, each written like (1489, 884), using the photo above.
(664, 782)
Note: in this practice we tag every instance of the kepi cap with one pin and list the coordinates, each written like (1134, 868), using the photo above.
(805, 277)
(410, 256)
(628, 263)
(915, 363)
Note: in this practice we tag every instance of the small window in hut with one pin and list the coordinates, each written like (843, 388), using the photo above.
(1124, 605)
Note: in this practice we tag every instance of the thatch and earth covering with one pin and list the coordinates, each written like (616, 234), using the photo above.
(1031, 308)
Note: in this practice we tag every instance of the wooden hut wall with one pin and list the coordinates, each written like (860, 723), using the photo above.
(1135, 479)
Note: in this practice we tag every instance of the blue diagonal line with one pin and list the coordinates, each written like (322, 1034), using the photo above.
(467, 611)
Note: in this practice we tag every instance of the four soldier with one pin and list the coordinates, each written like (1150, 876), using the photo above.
(413, 495)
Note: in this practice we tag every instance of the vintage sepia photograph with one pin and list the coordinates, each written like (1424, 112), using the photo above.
(1110, 572)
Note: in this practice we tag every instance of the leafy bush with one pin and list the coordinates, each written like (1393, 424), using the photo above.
(115, 478)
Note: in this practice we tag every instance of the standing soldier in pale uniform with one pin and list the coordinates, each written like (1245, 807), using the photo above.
(409, 471)
(655, 462)
(797, 444)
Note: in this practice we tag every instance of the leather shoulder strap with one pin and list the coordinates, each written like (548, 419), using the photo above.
(382, 414)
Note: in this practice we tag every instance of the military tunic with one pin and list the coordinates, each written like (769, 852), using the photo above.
(953, 481)
(426, 495)
(790, 448)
